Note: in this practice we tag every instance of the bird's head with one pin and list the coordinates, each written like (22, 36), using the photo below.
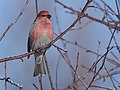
(44, 14)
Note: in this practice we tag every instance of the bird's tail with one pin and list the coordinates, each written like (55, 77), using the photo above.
(39, 65)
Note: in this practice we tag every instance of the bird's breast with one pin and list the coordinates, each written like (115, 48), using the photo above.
(41, 36)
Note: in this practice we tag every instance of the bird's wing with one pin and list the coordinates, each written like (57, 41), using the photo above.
(28, 46)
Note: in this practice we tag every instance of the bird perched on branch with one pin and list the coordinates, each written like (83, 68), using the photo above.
(40, 35)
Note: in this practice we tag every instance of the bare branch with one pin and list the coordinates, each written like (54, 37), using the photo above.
(16, 19)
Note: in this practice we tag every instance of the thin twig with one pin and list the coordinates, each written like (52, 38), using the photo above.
(40, 82)
(49, 75)
(14, 83)
(5, 67)
(64, 50)
(76, 68)
(35, 86)
(110, 76)
(101, 87)
(56, 80)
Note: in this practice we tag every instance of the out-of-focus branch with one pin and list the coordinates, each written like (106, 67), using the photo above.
(112, 61)
(36, 4)
(104, 60)
(73, 70)
(114, 26)
(16, 19)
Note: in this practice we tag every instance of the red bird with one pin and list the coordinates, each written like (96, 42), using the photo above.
(40, 35)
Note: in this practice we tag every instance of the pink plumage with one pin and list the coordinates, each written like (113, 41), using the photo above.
(40, 35)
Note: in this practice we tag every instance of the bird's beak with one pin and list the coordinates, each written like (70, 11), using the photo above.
(48, 16)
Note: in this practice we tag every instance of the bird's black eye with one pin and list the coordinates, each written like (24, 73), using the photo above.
(43, 15)
(47, 16)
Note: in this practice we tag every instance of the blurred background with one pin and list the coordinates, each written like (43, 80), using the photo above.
(88, 35)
